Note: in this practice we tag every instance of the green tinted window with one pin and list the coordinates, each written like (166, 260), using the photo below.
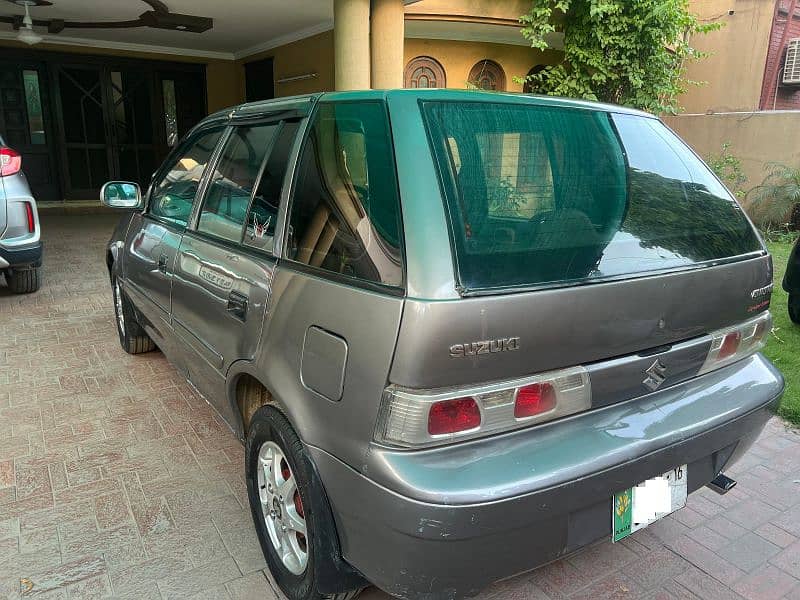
(542, 195)
(345, 212)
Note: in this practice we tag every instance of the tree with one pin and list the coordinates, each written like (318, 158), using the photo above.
(629, 52)
(778, 197)
(728, 168)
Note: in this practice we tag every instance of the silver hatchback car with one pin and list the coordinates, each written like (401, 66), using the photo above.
(461, 334)
(20, 244)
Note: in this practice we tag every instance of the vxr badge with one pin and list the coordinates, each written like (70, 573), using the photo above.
(656, 375)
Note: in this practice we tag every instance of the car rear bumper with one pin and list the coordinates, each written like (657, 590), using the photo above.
(454, 546)
(28, 255)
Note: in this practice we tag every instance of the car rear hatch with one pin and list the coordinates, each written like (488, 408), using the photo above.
(583, 239)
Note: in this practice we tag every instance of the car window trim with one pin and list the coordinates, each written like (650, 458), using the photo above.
(287, 187)
(236, 248)
(202, 188)
(342, 279)
(257, 183)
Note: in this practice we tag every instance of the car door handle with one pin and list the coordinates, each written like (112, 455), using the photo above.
(237, 305)
(162, 263)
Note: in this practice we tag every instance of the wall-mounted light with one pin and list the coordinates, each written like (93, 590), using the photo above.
(298, 78)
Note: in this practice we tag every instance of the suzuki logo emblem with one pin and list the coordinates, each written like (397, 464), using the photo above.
(656, 375)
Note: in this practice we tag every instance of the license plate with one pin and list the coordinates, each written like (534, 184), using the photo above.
(635, 508)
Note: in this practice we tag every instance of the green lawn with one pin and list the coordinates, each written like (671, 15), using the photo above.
(784, 344)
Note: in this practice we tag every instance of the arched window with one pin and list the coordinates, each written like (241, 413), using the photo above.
(530, 86)
(425, 72)
(488, 75)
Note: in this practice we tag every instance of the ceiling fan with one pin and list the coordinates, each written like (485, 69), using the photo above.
(159, 17)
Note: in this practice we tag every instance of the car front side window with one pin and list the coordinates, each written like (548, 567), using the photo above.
(174, 192)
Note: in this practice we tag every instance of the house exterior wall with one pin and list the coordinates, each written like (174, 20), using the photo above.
(457, 58)
(733, 71)
(775, 95)
(486, 9)
(310, 55)
(755, 138)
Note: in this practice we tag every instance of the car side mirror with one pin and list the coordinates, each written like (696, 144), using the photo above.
(121, 194)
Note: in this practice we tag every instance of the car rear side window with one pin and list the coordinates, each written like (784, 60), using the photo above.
(233, 179)
(260, 232)
(345, 212)
(543, 195)
(176, 186)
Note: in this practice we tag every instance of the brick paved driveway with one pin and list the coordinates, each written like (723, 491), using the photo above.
(117, 479)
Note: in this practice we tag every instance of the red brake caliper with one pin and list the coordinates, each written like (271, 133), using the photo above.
(298, 503)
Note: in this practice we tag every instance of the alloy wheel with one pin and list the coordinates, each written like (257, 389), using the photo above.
(282, 508)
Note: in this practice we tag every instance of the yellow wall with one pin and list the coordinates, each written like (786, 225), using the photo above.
(310, 55)
(458, 58)
(735, 68)
(756, 139)
(506, 9)
(223, 85)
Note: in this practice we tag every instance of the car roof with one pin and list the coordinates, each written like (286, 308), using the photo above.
(305, 102)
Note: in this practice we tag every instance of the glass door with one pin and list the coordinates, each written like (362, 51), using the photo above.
(133, 130)
(86, 146)
(25, 124)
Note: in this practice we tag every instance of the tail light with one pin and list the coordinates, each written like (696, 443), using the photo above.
(737, 342)
(29, 217)
(416, 419)
(453, 416)
(10, 161)
(534, 399)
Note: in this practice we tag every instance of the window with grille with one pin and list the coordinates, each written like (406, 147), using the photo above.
(791, 70)
(425, 72)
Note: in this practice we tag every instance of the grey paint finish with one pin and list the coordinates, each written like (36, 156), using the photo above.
(326, 348)
(220, 296)
(150, 250)
(429, 258)
(323, 363)
(369, 321)
(573, 325)
(409, 548)
(575, 447)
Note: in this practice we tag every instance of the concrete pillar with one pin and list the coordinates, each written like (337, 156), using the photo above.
(351, 44)
(388, 39)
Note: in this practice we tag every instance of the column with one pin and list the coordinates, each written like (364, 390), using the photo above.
(351, 44)
(388, 39)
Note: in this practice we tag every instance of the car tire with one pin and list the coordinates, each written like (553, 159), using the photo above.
(794, 308)
(24, 281)
(270, 441)
(132, 337)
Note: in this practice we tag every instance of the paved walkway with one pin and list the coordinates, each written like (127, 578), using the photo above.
(116, 479)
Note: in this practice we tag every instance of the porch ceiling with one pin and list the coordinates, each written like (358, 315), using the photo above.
(241, 27)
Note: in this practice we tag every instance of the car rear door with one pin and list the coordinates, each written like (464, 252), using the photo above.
(338, 292)
(225, 265)
(154, 235)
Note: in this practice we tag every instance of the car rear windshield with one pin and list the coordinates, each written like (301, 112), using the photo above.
(542, 195)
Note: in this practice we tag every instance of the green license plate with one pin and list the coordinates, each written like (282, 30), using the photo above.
(635, 508)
